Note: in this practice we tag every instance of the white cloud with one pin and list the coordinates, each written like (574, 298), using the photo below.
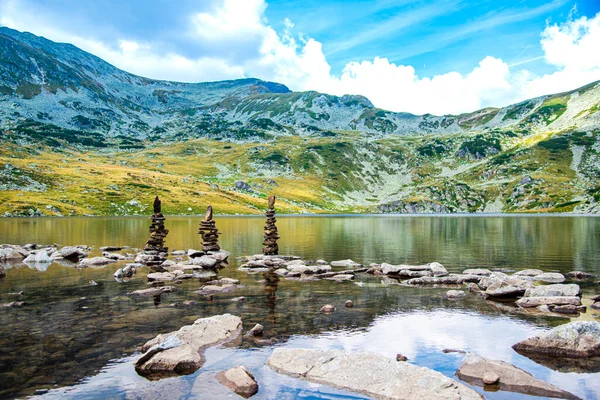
(236, 41)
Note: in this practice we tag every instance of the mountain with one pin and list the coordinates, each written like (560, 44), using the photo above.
(80, 136)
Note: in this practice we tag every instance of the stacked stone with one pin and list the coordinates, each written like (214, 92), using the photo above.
(155, 246)
(209, 232)
(271, 235)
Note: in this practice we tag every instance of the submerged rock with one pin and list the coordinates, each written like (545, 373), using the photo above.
(181, 352)
(580, 275)
(214, 289)
(455, 294)
(327, 309)
(575, 339)
(478, 371)
(349, 304)
(370, 374)
(154, 291)
(239, 380)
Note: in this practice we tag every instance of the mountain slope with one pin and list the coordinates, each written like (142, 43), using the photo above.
(79, 136)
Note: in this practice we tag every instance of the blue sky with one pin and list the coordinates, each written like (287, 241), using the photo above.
(449, 48)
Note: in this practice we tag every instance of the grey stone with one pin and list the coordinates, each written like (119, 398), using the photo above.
(205, 261)
(346, 264)
(580, 275)
(455, 294)
(96, 262)
(72, 253)
(575, 339)
(369, 374)
(550, 277)
(349, 303)
(257, 330)
(477, 271)
(569, 290)
(189, 344)
(155, 291)
(527, 302)
(328, 308)
(529, 272)
(239, 380)
(511, 378)
(214, 289)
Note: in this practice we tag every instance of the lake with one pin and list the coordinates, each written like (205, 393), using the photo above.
(80, 341)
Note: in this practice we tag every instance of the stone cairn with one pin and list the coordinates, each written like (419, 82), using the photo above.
(271, 235)
(209, 232)
(155, 250)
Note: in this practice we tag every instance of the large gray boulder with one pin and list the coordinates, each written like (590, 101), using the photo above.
(72, 253)
(239, 380)
(554, 290)
(500, 285)
(96, 262)
(10, 254)
(370, 374)
(529, 302)
(510, 378)
(181, 352)
(410, 271)
(575, 339)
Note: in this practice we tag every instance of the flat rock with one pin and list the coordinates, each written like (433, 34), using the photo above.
(569, 290)
(550, 277)
(500, 285)
(10, 254)
(477, 271)
(575, 339)
(369, 374)
(205, 261)
(161, 276)
(72, 253)
(154, 291)
(452, 279)
(181, 352)
(239, 380)
(529, 272)
(96, 261)
(341, 277)
(510, 378)
(528, 302)
(455, 294)
(346, 264)
(215, 289)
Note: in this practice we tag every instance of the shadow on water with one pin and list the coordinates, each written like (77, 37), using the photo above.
(81, 336)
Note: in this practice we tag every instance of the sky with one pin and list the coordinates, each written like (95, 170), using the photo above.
(438, 56)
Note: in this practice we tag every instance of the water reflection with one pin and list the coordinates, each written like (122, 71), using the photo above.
(70, 331)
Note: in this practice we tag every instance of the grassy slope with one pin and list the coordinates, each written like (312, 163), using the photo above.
(342, 173)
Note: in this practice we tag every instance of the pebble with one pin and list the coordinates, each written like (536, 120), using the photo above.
(349, 303)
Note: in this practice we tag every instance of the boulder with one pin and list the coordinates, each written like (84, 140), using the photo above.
(550, 277)
(569, 290)
(455, 294)
(195, 253)
(575, 339)
(161, 276)
(452, 279)
(130, 269)
(477, 271)
(181, 352)
(10, 254)
(155, 291)
(41, 257)
(205, 261)
(500, 285)
(580, 275)
(346, 264)
(72, 253)
(529, 302)
(510, 378)
(369, 374)
(341, 277)
(96, 262)
(239, 380)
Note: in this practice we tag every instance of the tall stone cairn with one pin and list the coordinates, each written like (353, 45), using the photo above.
(209, 232)
(271, 235)
(156, 243)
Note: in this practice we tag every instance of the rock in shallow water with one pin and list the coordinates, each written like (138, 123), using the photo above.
(96, 262)
(475, 369)
(155, 291)
(239, 380)
(455, 294)
(370, 374)
(189, 344)
(575, 339)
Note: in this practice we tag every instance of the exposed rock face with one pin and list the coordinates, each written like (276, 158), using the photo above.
(155, 247)
(271, 235)
(209, 232)
(181, 352)
(370, 374)
(475, 369)
(575, 339)
(239, 380)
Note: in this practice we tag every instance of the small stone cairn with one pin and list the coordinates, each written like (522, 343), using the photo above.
(155, 252)
(209, 232)
(271, 235)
